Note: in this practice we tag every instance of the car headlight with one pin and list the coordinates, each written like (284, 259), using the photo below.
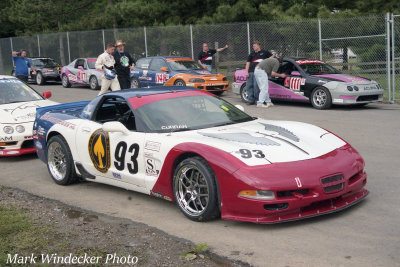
(196, 80)
(8, 129)
(20, 128)
(350, 88)
(355, 88)
(258, 194)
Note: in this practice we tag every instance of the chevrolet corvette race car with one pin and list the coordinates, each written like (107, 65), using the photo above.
(18, 103)
(186, 145)
(315, 81)
(81, 71)
(178, 71)
(46, 70)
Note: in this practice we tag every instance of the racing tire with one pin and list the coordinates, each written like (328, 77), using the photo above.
(243, 93)
(60, 162)
(195, 189)
(321, 98)
(65, 82)
(39, 79)
(218, 93)
(179, 83)
(135, 83)
(94, 83)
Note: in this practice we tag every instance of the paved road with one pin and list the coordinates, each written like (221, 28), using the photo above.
(365, 235)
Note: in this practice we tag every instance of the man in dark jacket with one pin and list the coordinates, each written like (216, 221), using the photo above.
(124, 63)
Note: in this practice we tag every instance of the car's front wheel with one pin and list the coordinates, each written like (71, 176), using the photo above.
(321, 98)
(135, 83)
(40, 79)
(179, 83)
(93, 83)
(195, 189)
(243, 93)
(65, 82)
(60, 162)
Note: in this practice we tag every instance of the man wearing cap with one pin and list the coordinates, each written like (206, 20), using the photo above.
(106, 63)
(124, 63)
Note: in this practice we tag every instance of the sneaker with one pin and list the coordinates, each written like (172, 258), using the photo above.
(263, 106)
(270, 104)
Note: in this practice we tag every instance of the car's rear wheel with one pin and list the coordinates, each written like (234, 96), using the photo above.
(60, 162)
(195, 189)
(179, 83)
(321, 98)
(39, 78)
(243, 93)
(65, 82)
(94, 83)
(135, 83)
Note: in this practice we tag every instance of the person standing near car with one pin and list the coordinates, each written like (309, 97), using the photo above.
(206, 56)
(21, 65)
(266, 68)
(253, 59)
(124, 63)
(106, 62)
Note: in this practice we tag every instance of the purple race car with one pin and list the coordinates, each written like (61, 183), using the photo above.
(81, 71)
(315, 81)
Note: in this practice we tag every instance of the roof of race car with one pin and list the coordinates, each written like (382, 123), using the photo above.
(138, 92)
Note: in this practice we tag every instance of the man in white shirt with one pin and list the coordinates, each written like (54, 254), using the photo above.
(106, 63)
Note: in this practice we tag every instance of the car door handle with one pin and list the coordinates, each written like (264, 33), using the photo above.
(86, 129)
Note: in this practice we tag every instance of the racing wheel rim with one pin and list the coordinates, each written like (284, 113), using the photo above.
(93, 83)
(57, 161)
(245, 95)
(192, 192)
(180, 83)
(39, 78)
(320, 97)
(65, 81)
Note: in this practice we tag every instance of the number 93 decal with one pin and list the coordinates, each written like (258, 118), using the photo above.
(247, 154)
(120, 153)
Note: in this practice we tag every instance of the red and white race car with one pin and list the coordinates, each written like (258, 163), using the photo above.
(189, 146)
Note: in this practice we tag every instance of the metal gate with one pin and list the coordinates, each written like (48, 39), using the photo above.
(395, 57)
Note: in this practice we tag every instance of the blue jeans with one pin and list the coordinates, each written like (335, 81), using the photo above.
(262, 81)
(252, 88)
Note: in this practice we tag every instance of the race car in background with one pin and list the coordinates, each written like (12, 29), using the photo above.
(18, 103)
(47, 69)
(81, 71)
(178, 71)
(315, 81)
(185, 145)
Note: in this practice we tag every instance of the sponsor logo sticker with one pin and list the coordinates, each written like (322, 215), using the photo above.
(99, 150)
(151, 145)
(151, 167)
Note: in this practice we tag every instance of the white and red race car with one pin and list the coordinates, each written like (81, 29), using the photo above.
(189, 146)
(18, 103)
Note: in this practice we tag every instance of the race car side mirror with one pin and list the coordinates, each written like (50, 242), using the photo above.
(115, 126)
(295, 73)
(47, 94)
(240, 107)
(205, 67)
(165, 69)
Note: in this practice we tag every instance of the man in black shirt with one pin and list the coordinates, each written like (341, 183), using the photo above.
(252, 61)
(124, 63)
(206, 55)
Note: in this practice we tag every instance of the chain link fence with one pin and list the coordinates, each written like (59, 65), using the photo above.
(361, 46)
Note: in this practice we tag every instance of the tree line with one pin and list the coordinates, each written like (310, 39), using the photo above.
(27, 17)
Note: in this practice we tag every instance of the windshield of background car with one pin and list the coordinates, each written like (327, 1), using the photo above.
(44, 63)
(318, 68)
(190, 113)
(184, 65)
(13, 91)
(91, 63)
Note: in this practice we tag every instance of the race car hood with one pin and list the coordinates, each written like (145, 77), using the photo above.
(263, 142)
(197, 72)
(342, 78)
(21, 112)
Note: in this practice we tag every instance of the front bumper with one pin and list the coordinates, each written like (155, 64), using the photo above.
(211, 87)
(17, 144)
(236, 87)
(293, 200)
(356, 97)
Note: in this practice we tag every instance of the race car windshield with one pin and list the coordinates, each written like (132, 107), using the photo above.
(184, 65)
(91, 64)
(190, 113)
(319, 68)
(44, 63)
(14, 91)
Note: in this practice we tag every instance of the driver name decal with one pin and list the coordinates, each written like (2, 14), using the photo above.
(99, 150)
